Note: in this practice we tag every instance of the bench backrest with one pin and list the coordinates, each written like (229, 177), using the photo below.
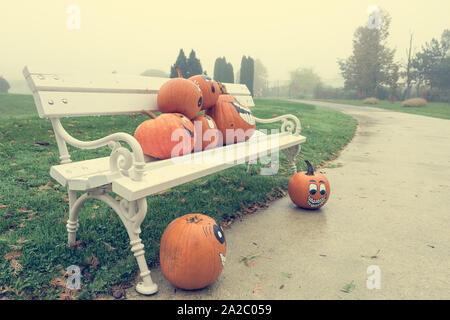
(58, 95)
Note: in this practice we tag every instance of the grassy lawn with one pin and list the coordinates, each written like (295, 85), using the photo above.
(34, 208)
(432, 109)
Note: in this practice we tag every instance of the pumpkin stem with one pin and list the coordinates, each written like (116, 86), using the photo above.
(223, 89)
(194, 219)
(310, 168)
(178, 72)
(149, 113)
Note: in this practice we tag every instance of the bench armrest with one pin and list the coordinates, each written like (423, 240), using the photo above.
(290, 123)
(121, 159)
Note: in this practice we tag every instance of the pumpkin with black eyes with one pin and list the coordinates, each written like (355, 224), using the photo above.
(309, 190)
(210, 90)
(168, 135)
(180, 95)
(230, 114)
(192, 251)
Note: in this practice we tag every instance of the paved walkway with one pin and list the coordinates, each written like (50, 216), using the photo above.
(389, 207)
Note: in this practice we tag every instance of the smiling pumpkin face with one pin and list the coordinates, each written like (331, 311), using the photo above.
(309, 190)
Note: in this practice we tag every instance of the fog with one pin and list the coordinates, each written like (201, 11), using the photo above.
(132, 36)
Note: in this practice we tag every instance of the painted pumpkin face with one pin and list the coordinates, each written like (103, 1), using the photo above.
(156, 140)
(180, 95)
(192, 251)
(210, 90)
(206, 133)
(309, 190)
(229, 113)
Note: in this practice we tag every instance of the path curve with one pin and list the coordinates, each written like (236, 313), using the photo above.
(390, 194)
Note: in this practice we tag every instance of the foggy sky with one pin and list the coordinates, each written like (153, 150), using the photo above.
(135, 35)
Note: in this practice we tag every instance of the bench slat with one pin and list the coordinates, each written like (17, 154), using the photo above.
(166, 177)
(59, 95)
(88, 174)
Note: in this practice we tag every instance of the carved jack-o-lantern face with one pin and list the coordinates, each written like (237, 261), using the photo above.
(309, 190)
(192, 251)
(229, 113)
(209, 88)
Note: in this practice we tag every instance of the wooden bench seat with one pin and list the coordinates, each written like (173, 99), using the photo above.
(131, 174)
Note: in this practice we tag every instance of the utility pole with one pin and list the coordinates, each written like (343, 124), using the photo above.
(408, 70)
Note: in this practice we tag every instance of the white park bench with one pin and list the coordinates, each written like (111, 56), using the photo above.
(131, 174)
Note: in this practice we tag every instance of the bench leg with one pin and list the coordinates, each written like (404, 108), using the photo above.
(291, 153)
(131, 213)
(72, 223)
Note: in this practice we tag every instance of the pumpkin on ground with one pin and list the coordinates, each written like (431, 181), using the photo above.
(206, 135)
(180, 95)
(168, 135)
(210, 90)
(309, 190)
(192, 251)
(230, 114)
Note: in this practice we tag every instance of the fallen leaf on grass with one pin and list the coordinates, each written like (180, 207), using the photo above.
(109, 247)
(12, 255)
(58, 282)
(64, 197)
(95, 207)
(3, 206)
(14, 247)
(92, 261)
(16, 266)
(75, 244)
(45, 187)
(42, 143)
(24, 210)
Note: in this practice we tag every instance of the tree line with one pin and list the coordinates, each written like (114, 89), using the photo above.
(370, 71)
(252, 72)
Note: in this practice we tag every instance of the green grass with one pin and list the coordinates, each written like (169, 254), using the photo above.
(32, 219)
(432, 109)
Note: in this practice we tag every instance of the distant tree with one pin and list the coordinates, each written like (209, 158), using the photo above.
(394, 76)
(194, 66)
(260, 77)
(427, 62)
(4, 85)
(223, 70)
(368, 68)
(303, 81)
(247, 72)
(155, 73)
(181, 63)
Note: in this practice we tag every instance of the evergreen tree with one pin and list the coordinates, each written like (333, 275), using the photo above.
(194, 67)
(181, 63)
(247, 72)
(229, 73)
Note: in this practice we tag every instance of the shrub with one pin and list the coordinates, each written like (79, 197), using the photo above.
(370, 101)
(415, 102)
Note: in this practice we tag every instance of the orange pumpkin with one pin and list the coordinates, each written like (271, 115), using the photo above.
(180, 95)
(206, 135)
(155, 136)
(210, 90)
(230, 114)
(309, 190)
(192, 251)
